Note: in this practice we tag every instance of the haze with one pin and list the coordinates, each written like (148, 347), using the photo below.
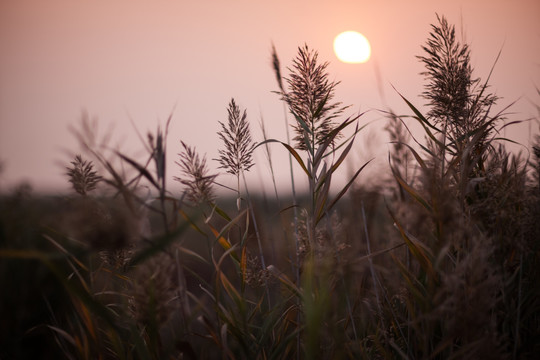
(142, 59)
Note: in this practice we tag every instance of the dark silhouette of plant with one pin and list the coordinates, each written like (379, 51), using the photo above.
(238, 153)
(309, 99)
(82, 175)
(459, 103)
(195, 177)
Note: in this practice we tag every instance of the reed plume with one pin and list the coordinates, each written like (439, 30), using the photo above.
(456, 98)
(309, 99)
(199, 184)
(82, 175)
(237, 156)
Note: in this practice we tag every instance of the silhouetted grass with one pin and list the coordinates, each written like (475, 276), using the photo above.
(438, 261)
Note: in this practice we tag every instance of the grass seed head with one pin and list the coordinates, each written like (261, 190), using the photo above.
(237, 155)
(309, 98)
(82, 175)
(194, 176)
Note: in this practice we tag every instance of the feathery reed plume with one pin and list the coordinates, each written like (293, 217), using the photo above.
(449, 73)
(309, 99)
(458, 101)
(199, 185)
(238, 153)
(82, 175)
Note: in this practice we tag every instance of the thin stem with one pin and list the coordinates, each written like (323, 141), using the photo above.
(371, 268)
(257, 234)
(296, 265)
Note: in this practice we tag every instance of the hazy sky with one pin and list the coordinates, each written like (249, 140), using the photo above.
(120, 58)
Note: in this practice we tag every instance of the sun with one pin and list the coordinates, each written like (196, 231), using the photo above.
(352, 47)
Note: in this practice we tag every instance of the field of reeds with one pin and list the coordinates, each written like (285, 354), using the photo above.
(438, 261)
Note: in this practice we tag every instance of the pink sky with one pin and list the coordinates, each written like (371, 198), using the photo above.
(120, 57)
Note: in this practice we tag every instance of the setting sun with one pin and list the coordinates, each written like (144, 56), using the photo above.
(352, 47)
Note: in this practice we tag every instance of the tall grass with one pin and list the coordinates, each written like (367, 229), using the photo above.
(439, 261)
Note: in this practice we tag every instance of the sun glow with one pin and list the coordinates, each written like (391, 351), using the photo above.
(352, 47)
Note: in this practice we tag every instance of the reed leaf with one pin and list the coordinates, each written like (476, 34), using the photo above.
(344, 190)
(292, 151)
(142, 170)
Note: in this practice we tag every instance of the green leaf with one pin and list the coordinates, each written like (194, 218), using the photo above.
(221, 212)
(191, 222)
(222, 240)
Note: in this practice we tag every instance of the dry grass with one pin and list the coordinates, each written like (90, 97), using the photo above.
(437, 262)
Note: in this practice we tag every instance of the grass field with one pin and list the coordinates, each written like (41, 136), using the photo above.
(437, 261)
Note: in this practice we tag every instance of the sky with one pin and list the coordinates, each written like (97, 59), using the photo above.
(132, 63)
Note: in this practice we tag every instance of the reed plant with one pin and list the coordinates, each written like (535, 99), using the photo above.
(438, 261)
(453, 226)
